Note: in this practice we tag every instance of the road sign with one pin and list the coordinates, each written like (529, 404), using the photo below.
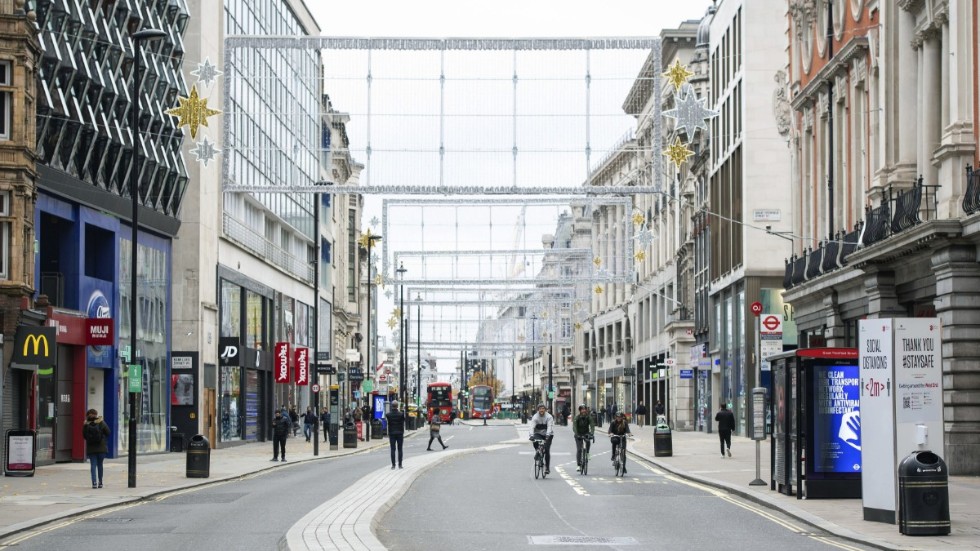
(687, 374)
(326, 369)
(756, 308)
(382, 378)
(629, 371)
(136, 377)
(669, 362)
(316, 388)
(773, 324)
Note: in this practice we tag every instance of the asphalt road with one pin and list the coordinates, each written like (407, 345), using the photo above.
(484, 499)
(490, 500)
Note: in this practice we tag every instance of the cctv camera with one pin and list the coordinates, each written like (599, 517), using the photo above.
(768, 228)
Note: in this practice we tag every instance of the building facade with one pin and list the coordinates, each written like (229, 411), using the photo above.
(884, 101)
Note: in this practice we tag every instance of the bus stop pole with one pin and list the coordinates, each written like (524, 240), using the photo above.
(758, 407)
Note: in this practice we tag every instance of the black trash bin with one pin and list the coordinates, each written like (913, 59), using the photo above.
(662, 441)
(923, 495)
(350, 436)
(198, 457)
(177, 442)
(375, 429)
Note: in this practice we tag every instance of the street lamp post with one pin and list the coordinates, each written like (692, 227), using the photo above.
(367, 240)
(403, 338)
(134, 186)
(418, 360)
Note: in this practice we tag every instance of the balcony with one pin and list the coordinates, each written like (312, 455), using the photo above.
(971, 199)
(899, 211)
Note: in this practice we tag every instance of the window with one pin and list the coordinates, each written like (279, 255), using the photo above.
(6, 98)
(6, 227)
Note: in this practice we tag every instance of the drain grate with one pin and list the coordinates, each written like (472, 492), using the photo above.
(580, 540)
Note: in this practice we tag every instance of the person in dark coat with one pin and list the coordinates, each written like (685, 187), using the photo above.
(396, 433)
(726, 424)
(641, 414)
(294, 419)
(96, 433)
(309, 419)
(280, 431)
(325, 420)
(435, 427)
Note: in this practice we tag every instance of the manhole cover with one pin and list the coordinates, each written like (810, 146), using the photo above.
(579, 540)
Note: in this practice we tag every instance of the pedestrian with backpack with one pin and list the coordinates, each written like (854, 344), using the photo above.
(95, 432)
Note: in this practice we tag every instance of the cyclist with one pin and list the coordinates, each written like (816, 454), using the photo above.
(619, 427)
(584, 428)
(543, 426)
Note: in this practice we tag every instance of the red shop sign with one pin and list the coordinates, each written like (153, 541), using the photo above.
(302, 366)
(280, 362)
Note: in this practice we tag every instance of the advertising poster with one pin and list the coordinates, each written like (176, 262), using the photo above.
(878, 486)
(20, 451)
(837, 419)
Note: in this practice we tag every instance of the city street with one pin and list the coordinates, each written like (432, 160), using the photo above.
(478, 494)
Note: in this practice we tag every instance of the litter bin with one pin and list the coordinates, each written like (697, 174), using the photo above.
(375, 429)
(350, 436)
(177, 442)
(923, 495)
(596, 419)
(662, 441)
(198, 457)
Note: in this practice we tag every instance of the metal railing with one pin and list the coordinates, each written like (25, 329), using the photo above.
(971, 199)
(829, 256)
(263, 248)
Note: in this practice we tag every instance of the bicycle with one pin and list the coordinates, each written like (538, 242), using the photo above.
(584, 452)
(619, 462)
(539, 450)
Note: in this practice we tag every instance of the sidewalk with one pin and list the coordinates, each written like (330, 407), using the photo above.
(696, 457)
(65, 489)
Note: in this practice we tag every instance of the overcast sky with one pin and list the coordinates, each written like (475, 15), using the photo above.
(503, 19)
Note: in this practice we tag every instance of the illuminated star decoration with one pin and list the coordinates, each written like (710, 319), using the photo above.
(206, 72)
(639, 256)
(193, 112)
(644, 238)
(374, 222)
(392, 322)
(690, 111)
(678, 152)
(205, 151)
(578, 326)
(638, 218)
(597, 261)
(378, 281)
(397, 313)
(678, 74)
(388, 293)
(598, 289)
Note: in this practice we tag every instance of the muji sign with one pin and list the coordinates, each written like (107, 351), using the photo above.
(280, 362)
(302, 366)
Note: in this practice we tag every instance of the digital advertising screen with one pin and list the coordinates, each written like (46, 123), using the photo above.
(836, 419)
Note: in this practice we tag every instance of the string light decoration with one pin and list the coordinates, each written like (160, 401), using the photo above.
(638, 218)
(690, 112)
(678, 152)
(677, 74)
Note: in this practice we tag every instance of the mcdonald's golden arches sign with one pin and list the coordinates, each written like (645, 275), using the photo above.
(35, 346)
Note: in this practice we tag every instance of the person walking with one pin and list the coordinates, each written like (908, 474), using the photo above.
(641, 414)
(396, 432)
(95, 432)
(294, 419)
(325, 421)
(280, 431)
(309, 419)
(434, 432)
(726, 424)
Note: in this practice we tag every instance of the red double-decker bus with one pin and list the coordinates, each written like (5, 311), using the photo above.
(481, 402)
(440, 401)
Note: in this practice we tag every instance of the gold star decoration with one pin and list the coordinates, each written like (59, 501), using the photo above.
(392, 322)
(678, 74)
(597, 261)
(378, 281)
(678, 152)
(598, 289)
(397, 313)
(193, 112)
(638, 218)
(639, 256)
(367, 238)
(578, 326)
